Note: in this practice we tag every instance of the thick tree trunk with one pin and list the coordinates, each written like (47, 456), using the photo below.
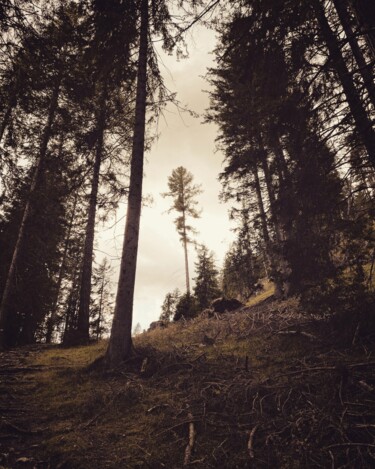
(364, 68)
(120, 343)
(83, 324)
(28, 208)
(52, 319)
(362, 122)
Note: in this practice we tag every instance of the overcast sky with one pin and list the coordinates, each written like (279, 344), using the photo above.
(184, 141)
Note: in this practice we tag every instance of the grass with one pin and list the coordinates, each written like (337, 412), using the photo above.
(267, 292)
(290, 391)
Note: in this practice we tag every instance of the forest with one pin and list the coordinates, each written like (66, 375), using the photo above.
(264, 361)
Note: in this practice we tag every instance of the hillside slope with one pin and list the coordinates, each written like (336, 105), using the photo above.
(262, 387)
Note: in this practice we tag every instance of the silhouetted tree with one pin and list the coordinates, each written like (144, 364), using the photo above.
(184, 193)
(206, 287)
(168, 309)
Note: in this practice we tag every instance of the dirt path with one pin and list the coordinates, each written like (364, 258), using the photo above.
(20, 428)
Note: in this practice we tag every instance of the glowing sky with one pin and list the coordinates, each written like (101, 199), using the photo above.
(184, 141)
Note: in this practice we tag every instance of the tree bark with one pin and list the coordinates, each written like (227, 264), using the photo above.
(28, 208)
(120, 343)
(364, 68)
(83, 324)
(362, 122)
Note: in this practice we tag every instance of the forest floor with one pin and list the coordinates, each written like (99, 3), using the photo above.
(263, 387)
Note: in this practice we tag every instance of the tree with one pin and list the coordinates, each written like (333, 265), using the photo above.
(168, 309)
(242, 268)
(357, 109)
(109, 62)
(137, 329)
(101, 303)
(120, 342)
(186, 307)
(27, 210)
(184, 193)
(275, 116)
(206, 286)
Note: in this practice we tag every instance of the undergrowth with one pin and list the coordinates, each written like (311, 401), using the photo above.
(266, 386)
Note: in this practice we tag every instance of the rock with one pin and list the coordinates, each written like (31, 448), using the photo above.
(222, 305)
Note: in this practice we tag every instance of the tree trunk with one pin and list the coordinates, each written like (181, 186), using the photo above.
(5, 120)
(364, 12)
(83, 325)
(71, 307)
(362, 122)
(28, 208)
(271, 197)
(186, 265)
(184, 238)
(11, 105)
(274, 144)
(262, 212)
(267, 241)
(98, 334)
(120, 343)
(363, 67)
(52, 319)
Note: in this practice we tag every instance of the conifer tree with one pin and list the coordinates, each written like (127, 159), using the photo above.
(206, 287)
(168, 309)
(184, 193)
(101, 302)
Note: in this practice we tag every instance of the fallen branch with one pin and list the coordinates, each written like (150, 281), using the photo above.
(190, 445)
(356, 333)
(156, 407)
(298, 333)
(18, 429)
(250, 442)
(365, 386)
